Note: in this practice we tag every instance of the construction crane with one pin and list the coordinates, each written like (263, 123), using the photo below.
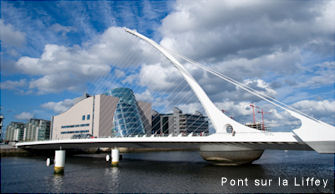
(253, 112)
(262, 112)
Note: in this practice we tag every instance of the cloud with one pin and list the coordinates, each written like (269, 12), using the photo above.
(157, 77)
(11, 37)
(13, 85)
(190, 107)
(24, 116)
(145, 96)
(319, 109)
(319, 75)
(277, 42)
(61, 29)
(130, 79)
(261, 86)
(270, 46)
(61, 106)
(243, 29)
(119, 73)
(70, 68)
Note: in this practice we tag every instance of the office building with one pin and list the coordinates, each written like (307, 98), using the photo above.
(115, 113)
(179, 123)
(37, 130)
(15, 131)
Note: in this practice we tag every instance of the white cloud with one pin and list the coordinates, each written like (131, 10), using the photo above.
(256, 42)
(9, 36)
(119, 73)
(263, 40)
(70, 68)
(225, 29)
(61, 29)
(319, 74)
(260, 86)
(267, 45)
(190, 107)
(24, 116)
(130, 79)
(235, 109)
(61, 106)
(144, 96)
(13, 85)
(319, 109)
(157, 77)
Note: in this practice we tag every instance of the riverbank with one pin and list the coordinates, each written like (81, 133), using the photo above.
(8, 150)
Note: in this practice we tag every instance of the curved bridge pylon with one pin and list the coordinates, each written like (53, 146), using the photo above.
(318, 135)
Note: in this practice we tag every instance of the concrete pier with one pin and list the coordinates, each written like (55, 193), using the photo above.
(59, 161)
(115, 156)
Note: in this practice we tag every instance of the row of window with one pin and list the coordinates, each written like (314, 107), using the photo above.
(88, 117)
(72, 126)
(69, 132)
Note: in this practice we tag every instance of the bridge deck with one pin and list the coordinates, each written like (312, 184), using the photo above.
(268, 140)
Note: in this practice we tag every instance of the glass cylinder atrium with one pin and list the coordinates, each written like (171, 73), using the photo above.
(127, 119)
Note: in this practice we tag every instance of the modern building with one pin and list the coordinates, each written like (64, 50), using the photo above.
(179, 123)
(130, 117)
(115, 113)
(37, 130)
(15, 131)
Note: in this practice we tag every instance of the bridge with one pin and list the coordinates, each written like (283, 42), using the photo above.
(233, 142)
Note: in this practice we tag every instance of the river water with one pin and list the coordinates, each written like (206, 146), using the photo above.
(170, 172)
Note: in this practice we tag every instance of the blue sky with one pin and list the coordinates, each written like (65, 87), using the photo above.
(54, 51)
(63, 23)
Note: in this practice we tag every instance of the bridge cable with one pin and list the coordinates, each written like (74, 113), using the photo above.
(243, 86)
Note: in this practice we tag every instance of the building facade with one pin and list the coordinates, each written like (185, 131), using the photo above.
(37, 130)
(15, 131)
(129, 118)
(116, 113)
(179, 123)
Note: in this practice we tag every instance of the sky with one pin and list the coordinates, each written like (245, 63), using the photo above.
(54, 51)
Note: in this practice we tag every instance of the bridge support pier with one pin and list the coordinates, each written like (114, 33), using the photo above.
(115, 156)
(59, 161)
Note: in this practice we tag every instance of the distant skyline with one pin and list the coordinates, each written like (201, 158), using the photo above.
(54, 51)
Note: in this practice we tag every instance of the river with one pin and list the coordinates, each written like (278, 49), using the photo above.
(170, 172)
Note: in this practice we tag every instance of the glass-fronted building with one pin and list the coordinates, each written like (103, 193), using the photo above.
(127, 118)
(114, 114)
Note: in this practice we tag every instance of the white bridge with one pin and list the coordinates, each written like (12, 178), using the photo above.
(233, 142)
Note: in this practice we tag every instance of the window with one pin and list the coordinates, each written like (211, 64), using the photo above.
(72, 126)
(83, 117)
(88, 117)
(229, 128)
(69, 132)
